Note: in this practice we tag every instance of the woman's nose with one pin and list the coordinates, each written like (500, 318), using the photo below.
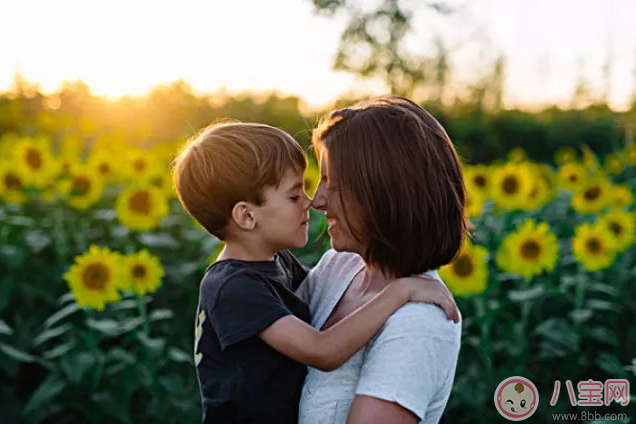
(320, 198)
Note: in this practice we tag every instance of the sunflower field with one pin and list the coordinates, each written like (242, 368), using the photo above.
(100, 267)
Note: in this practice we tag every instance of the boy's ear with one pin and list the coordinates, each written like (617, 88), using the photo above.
(243, 215)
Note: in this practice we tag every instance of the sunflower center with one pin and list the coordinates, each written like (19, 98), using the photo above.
(593, 245)
(104, 168)
(81, 185)
(12, 182)
(510, 185)
(616, 228)
(139, 165)
(66, 166)
(34, 159)
(463, 266)
(592, 193)
(140, 202)
(530, 249)
(139, 271)
(573, 178)
(480, 181)
(95, 276)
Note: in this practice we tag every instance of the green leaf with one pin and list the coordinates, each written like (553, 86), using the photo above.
(61, 314)
(161, 240)
(177, 355)
(558, 333)
(605, 288)
(51, 333)
(131, 324)
(65, 298)
(13, 256)
(581, 315)
(78, 366)
(44, 394)
(17, 354)
(603, 335)
(602, 305)
(160, 314)
(5, 329)
(108, 327)
(525, 295)
(37, 240)
(19, 221)
(124, 305)
(611, 365)
(155, 346)
(59, 350)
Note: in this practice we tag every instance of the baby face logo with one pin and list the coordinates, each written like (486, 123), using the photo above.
(516, 398)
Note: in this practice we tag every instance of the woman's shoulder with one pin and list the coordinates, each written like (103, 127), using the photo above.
(422, 320)
(332, 260)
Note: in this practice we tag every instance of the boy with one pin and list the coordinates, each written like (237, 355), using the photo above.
(244, 184)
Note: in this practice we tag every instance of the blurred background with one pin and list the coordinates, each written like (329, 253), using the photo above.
(99, 266)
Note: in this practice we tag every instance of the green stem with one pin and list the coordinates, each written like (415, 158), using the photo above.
(59, 234)
(578, 301)
(525, 311)
(484, 327)
(143, 312)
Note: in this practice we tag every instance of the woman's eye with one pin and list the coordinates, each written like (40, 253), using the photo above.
(294, 198)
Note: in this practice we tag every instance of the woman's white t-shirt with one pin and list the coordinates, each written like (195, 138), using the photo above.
(410, 361)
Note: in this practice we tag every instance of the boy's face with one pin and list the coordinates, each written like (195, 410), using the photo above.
(283, 218)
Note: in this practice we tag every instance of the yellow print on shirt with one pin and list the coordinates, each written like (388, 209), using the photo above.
(197, 337)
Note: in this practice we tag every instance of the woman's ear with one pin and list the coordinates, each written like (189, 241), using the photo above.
(243, 216)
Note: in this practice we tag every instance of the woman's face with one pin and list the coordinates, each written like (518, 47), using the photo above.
(327, 198)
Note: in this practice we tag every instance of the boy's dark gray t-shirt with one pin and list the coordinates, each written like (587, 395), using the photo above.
(241, 378)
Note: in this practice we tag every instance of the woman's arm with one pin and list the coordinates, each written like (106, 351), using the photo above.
(327, 350)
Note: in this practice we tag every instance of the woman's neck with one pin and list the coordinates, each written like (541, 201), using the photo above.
(374, 279)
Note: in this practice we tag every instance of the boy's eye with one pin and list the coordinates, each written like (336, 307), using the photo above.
(295, 198)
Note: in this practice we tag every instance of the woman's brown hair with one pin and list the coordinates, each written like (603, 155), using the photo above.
(399, 166)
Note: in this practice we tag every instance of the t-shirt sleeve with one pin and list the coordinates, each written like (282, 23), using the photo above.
(411, 358)
(244, 306)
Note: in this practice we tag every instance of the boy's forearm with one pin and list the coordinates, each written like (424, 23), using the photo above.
(344, 339)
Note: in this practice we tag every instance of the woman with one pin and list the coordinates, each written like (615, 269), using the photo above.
(394, 196)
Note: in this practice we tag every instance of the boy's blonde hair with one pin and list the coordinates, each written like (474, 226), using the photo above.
(232, 162)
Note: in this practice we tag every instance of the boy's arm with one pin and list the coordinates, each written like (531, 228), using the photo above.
(329, 349)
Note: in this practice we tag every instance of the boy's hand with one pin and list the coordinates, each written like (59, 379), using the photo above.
(425, 289)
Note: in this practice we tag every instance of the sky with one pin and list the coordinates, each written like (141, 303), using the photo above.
(128, 46)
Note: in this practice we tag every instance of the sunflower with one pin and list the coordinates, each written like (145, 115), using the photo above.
(614, 164)
(475, 201)
(478, 177)
(34, 161)
(622, 226)
(165, 183)
(572, 175)
(529, 251)
(594, 247)
(593, 196)
(590, 160)
(312, 178)
(468, 273)
(565, 155)
(142, 208)
(511, 185)
(72, 145)
(105, 164)
(517, 155)
(550, 177)
(65, 162)
(630, 154)
(141, 165)
(84, 188)
(12, 185)
(539, 196)
(622, 197)
(93, 278)
(143, 273)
